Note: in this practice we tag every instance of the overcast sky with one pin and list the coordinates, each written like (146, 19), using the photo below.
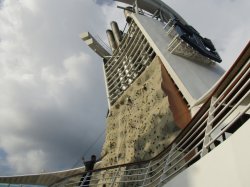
(52, 94)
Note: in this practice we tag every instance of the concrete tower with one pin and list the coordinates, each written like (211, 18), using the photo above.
(156, 78)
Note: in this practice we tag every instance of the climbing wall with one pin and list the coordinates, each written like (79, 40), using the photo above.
(140, 124)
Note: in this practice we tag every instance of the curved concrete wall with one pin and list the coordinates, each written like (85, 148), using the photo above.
(226, 166)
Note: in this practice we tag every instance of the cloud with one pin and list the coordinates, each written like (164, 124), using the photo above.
(104, 2)
(53, 103)
(1, 3)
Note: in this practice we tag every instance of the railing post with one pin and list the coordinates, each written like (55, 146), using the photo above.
(166, 24)
(114, 178)
(136, 7)
(85, 179)
(208, 127)
(145, 177)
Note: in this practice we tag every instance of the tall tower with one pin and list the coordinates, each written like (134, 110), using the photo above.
(169, 106)
(156, 78)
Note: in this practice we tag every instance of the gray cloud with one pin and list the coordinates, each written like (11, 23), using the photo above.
(1, 3)
(54, 103)
(102, 2)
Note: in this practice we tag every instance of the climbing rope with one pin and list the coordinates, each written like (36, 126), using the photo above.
(89, 148)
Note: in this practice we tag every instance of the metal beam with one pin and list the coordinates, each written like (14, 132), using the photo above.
(94, 45)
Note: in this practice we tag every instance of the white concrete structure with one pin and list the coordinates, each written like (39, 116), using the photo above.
(227, 165)
(193, 78)
(146, 38)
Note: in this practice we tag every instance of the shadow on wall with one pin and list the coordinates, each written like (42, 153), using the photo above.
(178, 106)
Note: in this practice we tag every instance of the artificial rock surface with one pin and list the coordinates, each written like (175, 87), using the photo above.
(140, 124)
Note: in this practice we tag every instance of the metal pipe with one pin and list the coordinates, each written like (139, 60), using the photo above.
(136, 7)
(111, 40)
(127, 14)
(116, 32)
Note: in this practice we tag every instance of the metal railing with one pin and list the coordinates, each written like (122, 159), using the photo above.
(127, 62)
(219, 117)
(103, 44)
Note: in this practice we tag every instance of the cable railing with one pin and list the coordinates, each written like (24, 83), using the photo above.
(103, 44)
(219, 117)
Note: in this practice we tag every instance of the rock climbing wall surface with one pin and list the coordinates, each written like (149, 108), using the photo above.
(140, 124)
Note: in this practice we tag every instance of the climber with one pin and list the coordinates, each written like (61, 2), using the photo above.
(89, 166)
